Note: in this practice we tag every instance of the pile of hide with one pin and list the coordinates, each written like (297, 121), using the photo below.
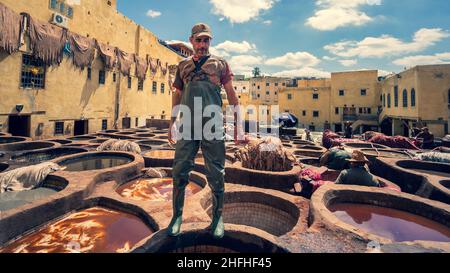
(434, 157)
(394, 142)
(266, 154)
(27, 178)
(155, 173)
(120, 146)
(331, 139)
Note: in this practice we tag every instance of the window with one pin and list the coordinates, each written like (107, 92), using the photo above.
(259, 96)
(413, 97)
(136, 122)
(62, 8)
(289, 96)
(70, 12)
(276, 84)
(389, 100)
(449, 96)
(315, 96)
(259, 87)
(369, 111)
(341, 93)
(250, 111)
(59, 128)
(336, 110)
(33, 72)
(53, 4)
(104, 124)
(384, 100)
(140, 85)
(284, 84)
(304, 113)
(101, 77)
(363, 92)
(267, 83)
(405, 98)
(89, 73)
(267, 92)
(276, 93)
(360, 110)
(163, 86)
(154, 87)
(316, 114)
(114, 77)
(396, 96)
(129, 82)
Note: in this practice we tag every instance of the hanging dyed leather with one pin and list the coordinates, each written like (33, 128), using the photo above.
(164, 69)
(107, 54)
(125, 61)
(10, 29)
(83, 50)
(46, 41)
(141, 67)
(153, 65)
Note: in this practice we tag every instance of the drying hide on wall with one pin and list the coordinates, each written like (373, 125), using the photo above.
(107, 54)
(83, 50)
(125, 61)
(10, 29)
(141, 67)
(153, 65)
(27, 178)
(164, 68)
(46, 41)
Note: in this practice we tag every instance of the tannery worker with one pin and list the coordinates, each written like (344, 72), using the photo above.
(199, 78)
(336, 158)
(428, 138)
(358, 173)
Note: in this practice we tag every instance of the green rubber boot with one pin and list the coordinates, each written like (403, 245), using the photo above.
(177, 219)
(217, 226)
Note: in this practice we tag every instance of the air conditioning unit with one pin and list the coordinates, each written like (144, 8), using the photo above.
(60, 20)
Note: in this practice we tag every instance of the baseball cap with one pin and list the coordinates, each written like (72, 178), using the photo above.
(201, 29)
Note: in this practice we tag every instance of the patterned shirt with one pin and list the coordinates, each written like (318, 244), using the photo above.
(215, 69)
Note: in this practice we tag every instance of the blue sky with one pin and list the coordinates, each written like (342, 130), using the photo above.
(307, 37)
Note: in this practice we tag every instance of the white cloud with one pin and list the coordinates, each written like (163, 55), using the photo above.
(303, 72)
(153, 13)
(411, 61)
(236, 47)
(244, 64)
(348, 63)
(387, 45)
(332, 14)
(238, 11)
(328, 58)
(294, 60)
(267, 22)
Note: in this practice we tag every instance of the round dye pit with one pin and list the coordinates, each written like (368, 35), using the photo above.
(310, 161)
(201, 241)
(111, 131)
(98, 141)
(3, 166)
(303, 142)
(126, 133)
(310, 147)
(145, 135)
(93, 162)
(428, 168)
(364, 145)
(152, 142)
(94, 230)
(82, 138)
(446, 184)
(26, 146)
(162, 137)
(38, 157)
(272, 214)
(307, 153)
(396, 225)
(153, 189)
(385, 153)
(61, 141)
(11, 200)
(7, 140)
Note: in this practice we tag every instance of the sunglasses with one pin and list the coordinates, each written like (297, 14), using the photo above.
(205, 40)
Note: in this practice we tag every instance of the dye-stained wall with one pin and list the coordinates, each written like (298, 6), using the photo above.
(68, 94)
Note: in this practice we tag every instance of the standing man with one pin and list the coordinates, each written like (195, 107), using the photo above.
(428, 139)
(200, 77)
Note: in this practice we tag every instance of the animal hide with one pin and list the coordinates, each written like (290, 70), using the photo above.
(10, 29)
(83, 50)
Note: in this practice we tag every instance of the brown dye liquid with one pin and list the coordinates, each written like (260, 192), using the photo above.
(95, 163)
(153, 189)
(161, 154)
(386, 154)
(95, 230)
(396, 225)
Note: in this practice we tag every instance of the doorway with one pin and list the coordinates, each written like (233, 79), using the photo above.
(126, 123)
(19, 125)
(338, 127)
(81, 127)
